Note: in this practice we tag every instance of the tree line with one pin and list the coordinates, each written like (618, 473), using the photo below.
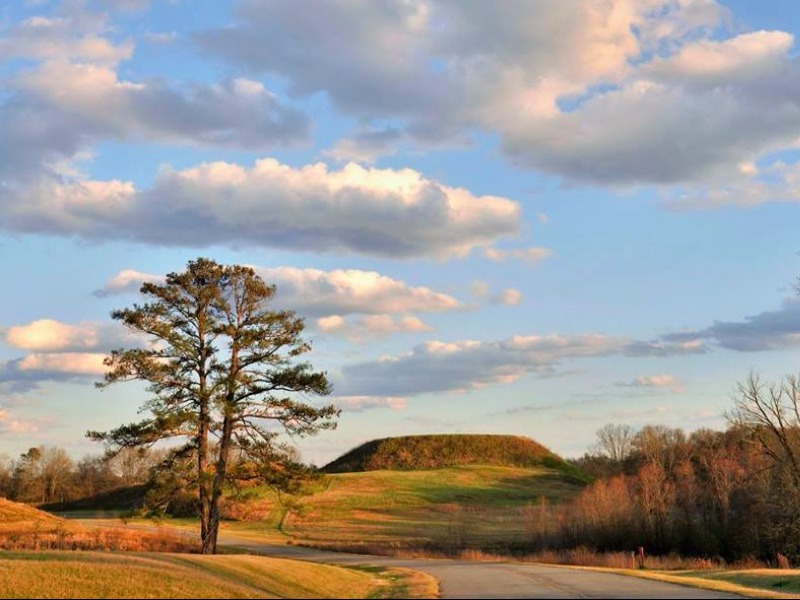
(48, 475)
(732, 494)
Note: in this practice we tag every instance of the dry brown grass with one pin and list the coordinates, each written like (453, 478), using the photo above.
(23, 527)
(71, 537)
(108, 575)
(585, 557)
(14, 513)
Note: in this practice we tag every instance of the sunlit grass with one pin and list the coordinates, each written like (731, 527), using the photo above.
(105, 575)
(475, 504)
(751, 583)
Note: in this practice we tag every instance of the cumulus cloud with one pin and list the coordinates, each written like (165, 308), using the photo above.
(59, 351)
(361, 329)
(656, 381)
(25, 374)
(353, 404)
(237, 113)
(617, 92)
(768, 330)
(65, 95)
(314, 292)
(48, 335)
(127, 281)
(379, 212)
(438, 366)
(62, 37)
(776, 182)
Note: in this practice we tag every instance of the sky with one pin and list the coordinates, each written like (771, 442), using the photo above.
(522, 217)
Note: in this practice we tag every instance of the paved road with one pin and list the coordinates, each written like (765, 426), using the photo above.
(469, 579)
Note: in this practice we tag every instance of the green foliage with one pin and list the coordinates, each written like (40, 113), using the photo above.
(222, 371)
(438, 451)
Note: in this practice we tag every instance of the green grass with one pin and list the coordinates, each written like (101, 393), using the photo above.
(750, 583)
(777, 580)
(470, 505)
(484, 507)
(105, 575)
(415, 452)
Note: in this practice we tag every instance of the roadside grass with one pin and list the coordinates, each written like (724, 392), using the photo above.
(753, 583)
(24, 527)
(133, 575)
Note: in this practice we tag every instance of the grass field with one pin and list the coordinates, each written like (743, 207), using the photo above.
(752, 583)
(130, 575)
(469, 505)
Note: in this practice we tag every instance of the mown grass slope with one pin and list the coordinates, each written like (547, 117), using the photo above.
(104, 575)
(480, 506)
(16, 514)
(415, 452)
(24, 527)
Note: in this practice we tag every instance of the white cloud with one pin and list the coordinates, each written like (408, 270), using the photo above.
(438, 366)
(656, 381)
(49, 335)
(66, 95)
(237, 113)
(368, 327)
(63, 37)
(127, 281)
(619, 92)
(22, 375)
(71, 363)
(351, 404)
(379, 212)
(778, 182)
(747, 57)
(509, 297)
(317, 293)
(530, 255)
(313, 292)
(768, 330)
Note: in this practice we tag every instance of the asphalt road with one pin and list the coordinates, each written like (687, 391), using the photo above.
(472, 579)
(469, 579)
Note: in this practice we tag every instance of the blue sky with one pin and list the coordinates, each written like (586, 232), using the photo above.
(528, 217)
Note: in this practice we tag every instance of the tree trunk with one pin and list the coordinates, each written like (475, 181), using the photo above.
(219, 482)
(208, 546)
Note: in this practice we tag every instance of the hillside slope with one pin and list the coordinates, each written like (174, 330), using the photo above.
(16, 514)
(408, 453)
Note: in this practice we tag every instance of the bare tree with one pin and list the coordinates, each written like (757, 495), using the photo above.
(771, 411)
(614, 441)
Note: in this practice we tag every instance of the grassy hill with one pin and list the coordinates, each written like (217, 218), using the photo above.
(466, 505)
(476, 506)
(16, 515)
(414, 452)
(105, 575)
(433, 491)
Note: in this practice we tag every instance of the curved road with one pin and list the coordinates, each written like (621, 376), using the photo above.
(473, 579)
(470, 579)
